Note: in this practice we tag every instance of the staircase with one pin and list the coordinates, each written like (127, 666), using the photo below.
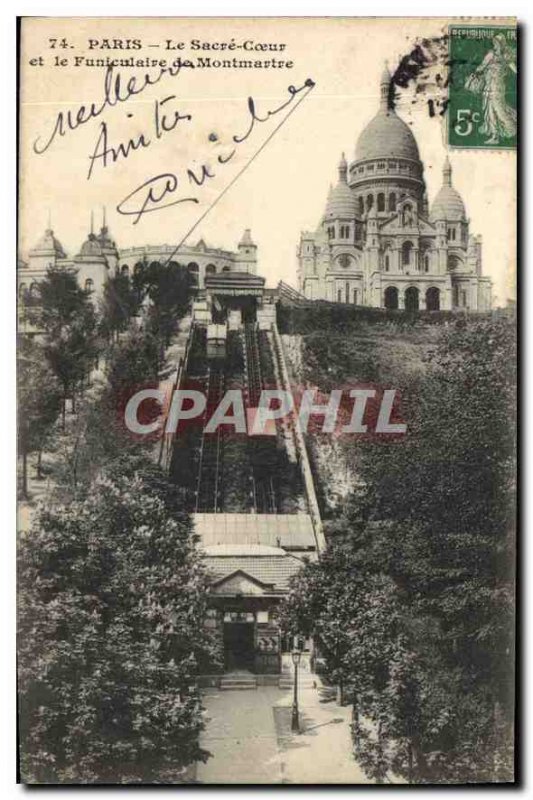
(238, 681)
(306, 679)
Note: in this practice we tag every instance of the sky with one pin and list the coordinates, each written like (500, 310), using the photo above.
(276, 181)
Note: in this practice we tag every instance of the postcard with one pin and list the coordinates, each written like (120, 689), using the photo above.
(266, 305)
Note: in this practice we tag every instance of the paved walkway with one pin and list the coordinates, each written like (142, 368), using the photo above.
(249, 736)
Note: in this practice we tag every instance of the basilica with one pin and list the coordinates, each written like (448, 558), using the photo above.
(379, 244)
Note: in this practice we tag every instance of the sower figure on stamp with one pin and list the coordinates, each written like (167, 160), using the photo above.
(499, 118)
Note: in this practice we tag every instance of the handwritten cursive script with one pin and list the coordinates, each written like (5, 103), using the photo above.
(116, 90)
(154, 194)
(105, 154)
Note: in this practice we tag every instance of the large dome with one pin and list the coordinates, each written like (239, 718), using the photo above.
(386, 136)
(448, 203)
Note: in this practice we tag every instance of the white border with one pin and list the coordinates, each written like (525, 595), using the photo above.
(9, 10)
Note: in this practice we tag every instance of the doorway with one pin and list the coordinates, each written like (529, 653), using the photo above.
(238, 646)
(411, 299)
(433, 299)
(391, 297)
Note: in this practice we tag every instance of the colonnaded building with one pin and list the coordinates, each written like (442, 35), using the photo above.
(99, 258)
(379, 244)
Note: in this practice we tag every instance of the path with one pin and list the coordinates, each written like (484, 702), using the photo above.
(249, 735)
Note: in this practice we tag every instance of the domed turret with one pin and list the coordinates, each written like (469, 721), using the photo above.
(246, 260)
(48, 245)
(246, 239)
(448, 203)
(341, 201)
(91, 247)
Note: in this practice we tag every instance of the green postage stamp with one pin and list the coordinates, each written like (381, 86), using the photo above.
(482, 87)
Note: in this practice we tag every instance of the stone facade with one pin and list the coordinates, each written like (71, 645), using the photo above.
(378, 244)
(99, 257)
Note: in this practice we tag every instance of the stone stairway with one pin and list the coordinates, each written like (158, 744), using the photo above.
(238, 681)
(306, 680)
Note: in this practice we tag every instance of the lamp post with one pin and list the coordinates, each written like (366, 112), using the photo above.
(295, 719)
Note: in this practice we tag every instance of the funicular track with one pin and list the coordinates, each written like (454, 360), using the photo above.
(210, 485)
(263, 454)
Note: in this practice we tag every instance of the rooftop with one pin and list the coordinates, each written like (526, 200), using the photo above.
(289, 531)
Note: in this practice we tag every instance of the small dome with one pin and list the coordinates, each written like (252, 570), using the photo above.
(448, 203)
(246, 239)
(49, 245)
(341, 200)
(91, 247)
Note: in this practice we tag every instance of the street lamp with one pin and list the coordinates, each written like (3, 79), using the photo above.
(295, 719)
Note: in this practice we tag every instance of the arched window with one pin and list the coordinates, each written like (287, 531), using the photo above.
(433, 299)
(381, 202)
(361, 206)
(355, 297)
(392, 201)
(89, 285)
(339, 295)
(125, 270)
(391, 297)
(138, 267)
(411, 299)
(369, 202)
(426, 261)
(407, 253)
(210, 269)
(194, 269)
(386, 262)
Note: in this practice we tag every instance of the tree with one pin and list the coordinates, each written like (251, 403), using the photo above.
(59, 301)
(39, 403)
(119, 304)
(169, 288)
(433, 529)
(66, 314)
(112, 603)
